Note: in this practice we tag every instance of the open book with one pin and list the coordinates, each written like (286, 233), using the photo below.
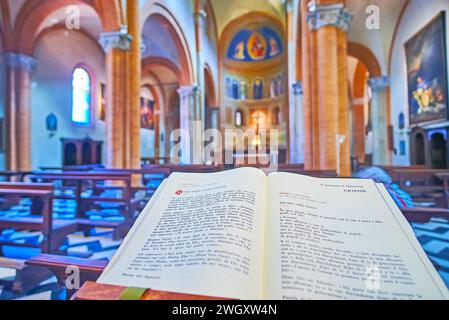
(240, 234)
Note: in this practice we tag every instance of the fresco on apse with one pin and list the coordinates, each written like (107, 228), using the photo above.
(427, 73)
(238, 89)
(257, 44)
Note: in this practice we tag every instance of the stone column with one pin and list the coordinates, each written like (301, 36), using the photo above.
(116, 45)
(134, 72)
(200, 112)
(18, 111)
(328, 22)
(306, 47)
(296, 123)
(344, 116)
(295, 92)
(379, 86)
(213, 117)
(189, 148)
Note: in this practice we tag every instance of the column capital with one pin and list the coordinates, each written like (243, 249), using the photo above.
(188, 91)
(335, 15)
(20, 61)
(379, 83)
(200, 16)
(297, 88)
(288, 5)
(116, 40)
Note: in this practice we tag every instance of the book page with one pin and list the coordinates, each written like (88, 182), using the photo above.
(202, 235)
(339, 239)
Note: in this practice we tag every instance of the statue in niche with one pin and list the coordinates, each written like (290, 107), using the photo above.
(273, 88)
(235, 90)
(280, 86)
(239, 118)
(258, 89)
(243, 90)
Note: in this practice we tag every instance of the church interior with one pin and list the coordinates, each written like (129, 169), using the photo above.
(92, 93)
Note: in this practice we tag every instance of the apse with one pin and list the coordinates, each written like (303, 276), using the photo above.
(254, 81)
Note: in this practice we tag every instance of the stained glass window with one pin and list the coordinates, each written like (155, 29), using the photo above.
(81, 97)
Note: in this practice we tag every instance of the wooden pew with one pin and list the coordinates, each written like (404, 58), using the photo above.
(90, 270)
(424, 215)
(155, 160)
(444, 176)
(194, 168)
(120, 229)
(54, 233)
(392, 170)
(422, 184)
(310, 173)
(26, 276)
(78, 178)
(146, 173)
(11, 176)
(84, 168)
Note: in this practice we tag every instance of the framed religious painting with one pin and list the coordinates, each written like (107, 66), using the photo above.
(146, 114)
(427, 73)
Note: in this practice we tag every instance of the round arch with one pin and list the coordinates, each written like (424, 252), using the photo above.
(205, 5)
(34, 12)
(359, 120)
(151, 81)
(154, 93)
(365, 55)
(56, 28)
(160, 12)
(360, 80)
(149, 63)
(210, 86)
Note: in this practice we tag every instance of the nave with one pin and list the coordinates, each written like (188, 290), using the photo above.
(101, 100)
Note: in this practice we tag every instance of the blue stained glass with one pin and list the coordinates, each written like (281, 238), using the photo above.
(81, 97)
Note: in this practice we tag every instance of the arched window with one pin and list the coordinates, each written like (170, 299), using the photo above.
(81, 96)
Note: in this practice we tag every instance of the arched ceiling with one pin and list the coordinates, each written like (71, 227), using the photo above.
(158, 41)
(229, 10)
(379, 41)
(89, 20)
(14, 8)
